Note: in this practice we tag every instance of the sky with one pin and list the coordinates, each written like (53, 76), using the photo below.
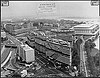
(30, 9)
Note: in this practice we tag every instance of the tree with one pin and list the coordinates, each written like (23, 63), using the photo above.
(88, 47)
(76, 53)
(92, 45)
(35, 24)
(41, 23)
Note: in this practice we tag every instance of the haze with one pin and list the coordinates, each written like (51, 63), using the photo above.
(29, 9)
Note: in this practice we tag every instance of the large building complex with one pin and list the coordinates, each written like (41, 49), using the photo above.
(87, 29)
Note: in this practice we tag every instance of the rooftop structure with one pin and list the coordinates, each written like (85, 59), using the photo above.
(86, 26)
(86, 29)
(26, 47)
(28, 53)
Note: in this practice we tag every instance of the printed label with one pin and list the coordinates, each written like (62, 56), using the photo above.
(94, 2)
(4, 3)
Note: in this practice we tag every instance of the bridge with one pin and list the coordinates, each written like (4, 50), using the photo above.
(6, 54)
(6, 51)
(14, 40)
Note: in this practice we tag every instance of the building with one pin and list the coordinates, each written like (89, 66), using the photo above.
(86, 29)
(56, 49)
(3, 34)
(27, 53)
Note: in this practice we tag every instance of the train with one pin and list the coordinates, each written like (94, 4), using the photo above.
(56, 49)
(64, 34)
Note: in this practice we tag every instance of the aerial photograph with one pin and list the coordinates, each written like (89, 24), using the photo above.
(50, 39)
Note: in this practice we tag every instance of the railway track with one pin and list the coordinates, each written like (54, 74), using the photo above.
(43, 60)
(47, 62)
(48, 65)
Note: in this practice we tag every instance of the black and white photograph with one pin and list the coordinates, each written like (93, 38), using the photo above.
(50, 39)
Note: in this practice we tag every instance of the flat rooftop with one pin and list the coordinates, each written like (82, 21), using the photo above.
(89, 26)
(26, 47)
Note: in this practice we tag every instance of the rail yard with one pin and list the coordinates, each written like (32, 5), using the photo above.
(48, 52)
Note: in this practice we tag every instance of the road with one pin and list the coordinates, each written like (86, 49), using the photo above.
(14, 40)
(83, 67)
(83, 55)
(6, 54)
(40, 58)
(2, 49)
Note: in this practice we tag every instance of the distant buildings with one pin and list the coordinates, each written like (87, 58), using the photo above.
(18, 28)
(3, 36)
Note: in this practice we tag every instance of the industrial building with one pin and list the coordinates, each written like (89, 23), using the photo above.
(87, 29)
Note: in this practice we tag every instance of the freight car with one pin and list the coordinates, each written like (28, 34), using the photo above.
(64, 34)
(55, 49)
